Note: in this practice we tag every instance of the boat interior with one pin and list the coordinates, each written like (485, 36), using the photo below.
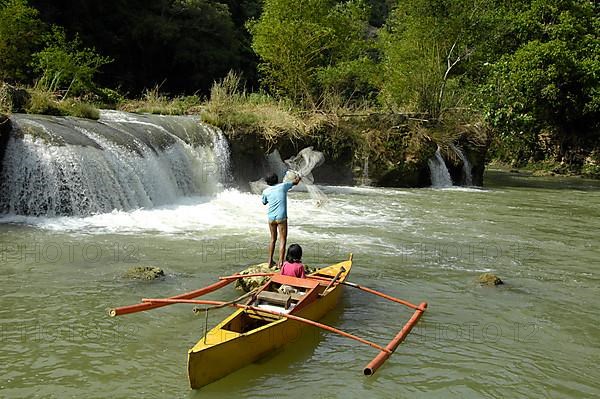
(280, 294)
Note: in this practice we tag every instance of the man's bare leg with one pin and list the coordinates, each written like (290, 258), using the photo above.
(282, 227)
(273, 230)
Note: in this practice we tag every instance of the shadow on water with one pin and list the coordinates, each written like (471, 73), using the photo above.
(500, 179)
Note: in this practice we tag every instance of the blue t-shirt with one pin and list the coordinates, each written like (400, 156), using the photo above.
(276, 197)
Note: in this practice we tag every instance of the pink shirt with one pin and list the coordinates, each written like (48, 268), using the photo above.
(293, 269)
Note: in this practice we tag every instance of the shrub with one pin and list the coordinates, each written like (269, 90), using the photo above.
(66, 65)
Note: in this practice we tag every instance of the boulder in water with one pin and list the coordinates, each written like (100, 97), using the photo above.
(144, 273)
(489, 279)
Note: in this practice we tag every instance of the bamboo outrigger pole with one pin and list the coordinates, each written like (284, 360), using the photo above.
(378, 360)
(374, 364)
(369, 290)
(140, 307)
(168, 301)
(381, 294)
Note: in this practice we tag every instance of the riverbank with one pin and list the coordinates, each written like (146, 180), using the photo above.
(589, 170)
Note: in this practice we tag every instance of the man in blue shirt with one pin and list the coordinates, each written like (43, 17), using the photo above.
(276, 196)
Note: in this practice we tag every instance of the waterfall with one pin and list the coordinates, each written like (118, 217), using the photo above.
(364, 180)
(70, 166)
(467, 175)
(440, 177)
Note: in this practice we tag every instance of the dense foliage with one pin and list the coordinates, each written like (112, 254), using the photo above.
(310, 46)
(20, 36)
(546, 92)
(529, 68)
(182, 45)
(66, 65)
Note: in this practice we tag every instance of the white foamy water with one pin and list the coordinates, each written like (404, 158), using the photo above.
(81, 168)
(229, 211)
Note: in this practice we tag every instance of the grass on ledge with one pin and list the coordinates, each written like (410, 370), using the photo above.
(36, 100)
(43, 102)
(237, 112)
(152, 102)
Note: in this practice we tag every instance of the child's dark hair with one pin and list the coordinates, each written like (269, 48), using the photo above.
(272, 179)
(294, 254)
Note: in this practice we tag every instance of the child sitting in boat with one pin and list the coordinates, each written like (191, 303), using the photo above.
(293, 262)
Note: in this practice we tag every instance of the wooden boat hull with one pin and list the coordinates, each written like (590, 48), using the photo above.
(223, 351)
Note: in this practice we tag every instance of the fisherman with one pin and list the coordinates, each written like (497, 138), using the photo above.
(276, 196)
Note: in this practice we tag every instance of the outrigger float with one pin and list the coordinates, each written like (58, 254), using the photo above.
(269, 319)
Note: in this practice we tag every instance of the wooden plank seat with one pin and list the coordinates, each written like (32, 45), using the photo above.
(275, 298)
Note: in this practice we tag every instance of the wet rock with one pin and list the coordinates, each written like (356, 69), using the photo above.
(489, 279)
(144, 273)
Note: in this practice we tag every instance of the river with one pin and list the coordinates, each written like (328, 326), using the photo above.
(535, 337)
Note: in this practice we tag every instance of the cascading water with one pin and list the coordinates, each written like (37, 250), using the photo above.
(69, 166)
(467, 174)
(440, 177)
(365, 180)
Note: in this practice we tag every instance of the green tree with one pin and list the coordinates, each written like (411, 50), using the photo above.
(427, 46)
(67, 65)
(301, 43)
(20, 31)
(550, 83)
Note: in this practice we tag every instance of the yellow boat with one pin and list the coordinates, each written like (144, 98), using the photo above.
(272, 316)
(258, 328)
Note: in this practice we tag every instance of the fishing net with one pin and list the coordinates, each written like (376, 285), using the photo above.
(304, 163)
(301, 165)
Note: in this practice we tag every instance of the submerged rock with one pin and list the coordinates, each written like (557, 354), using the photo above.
(144, 273)
(489, 279)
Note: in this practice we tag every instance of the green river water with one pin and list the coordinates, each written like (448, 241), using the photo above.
(535, 337)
